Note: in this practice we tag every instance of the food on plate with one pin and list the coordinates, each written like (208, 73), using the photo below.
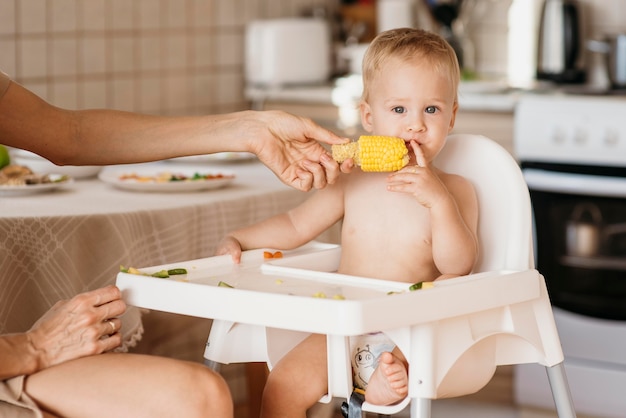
(374, 153)
(421, 285)
(165, 177)
(269, 254)
(162, 274)
(5, 158)
(20, 175)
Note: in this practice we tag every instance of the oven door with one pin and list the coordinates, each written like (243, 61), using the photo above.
(580, 237)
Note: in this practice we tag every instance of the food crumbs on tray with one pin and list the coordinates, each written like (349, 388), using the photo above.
(421, 285)
(320, 295)
(161, 274)
(278, 281)
(268, 254)
(339, 297)
(224, 284)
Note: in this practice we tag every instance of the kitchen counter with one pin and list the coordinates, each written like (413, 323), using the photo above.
(485, 107)
(345, 91)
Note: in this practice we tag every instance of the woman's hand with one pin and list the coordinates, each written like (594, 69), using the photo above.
(289, 146)
(85, 325)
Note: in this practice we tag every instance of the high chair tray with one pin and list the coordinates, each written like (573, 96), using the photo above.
(301, 292)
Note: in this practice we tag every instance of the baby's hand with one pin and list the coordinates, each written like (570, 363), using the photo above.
(230, 245)
(419, 180)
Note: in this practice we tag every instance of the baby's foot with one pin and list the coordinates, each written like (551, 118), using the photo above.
(389, 383)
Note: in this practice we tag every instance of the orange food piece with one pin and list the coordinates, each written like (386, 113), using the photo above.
(268, 254)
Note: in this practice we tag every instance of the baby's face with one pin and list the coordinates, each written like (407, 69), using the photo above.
(411, 100)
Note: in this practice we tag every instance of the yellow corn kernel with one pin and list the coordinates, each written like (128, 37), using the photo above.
(374, 153)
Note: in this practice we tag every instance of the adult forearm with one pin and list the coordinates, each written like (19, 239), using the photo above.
(110, 137)
(17, 356)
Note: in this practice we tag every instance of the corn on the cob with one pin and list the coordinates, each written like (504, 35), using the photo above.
(374, 153)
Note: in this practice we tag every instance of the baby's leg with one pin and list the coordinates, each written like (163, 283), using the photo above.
(298, 381)
(390, 382)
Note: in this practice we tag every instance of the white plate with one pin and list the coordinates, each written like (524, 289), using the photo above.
(39, 164)
(35, 188)
(219, 157)
(113, 177)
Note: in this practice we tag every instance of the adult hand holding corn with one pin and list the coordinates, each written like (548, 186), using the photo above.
(375, 153)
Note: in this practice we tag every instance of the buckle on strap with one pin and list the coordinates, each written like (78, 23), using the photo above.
(352, 408)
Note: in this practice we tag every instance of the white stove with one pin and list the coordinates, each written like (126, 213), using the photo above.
(573, 154)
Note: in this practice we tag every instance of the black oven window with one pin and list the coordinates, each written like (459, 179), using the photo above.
(581, 251)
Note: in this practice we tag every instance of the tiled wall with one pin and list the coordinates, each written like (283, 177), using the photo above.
(184, 56)
(154, 56)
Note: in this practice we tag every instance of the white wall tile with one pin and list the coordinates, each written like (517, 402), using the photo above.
(151, 93)
(8, 64)
(93, 54)
(63, 55)
(93, 15)
(178, 89)
(203, 50)
(228, 88)
(121, 14)
(149, 14)
(123, 54)
(7, 17)
(32, 58)
(202, 15)
(63, 15)
(176, 13)
(229, 48)
(150, 52)
(176, 51)
(94, 94)
(123, 94)
(226, 13)
(32, 16)
(64, 94)
(202, 90)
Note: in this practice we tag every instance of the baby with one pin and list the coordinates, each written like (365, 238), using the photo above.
(416, 224)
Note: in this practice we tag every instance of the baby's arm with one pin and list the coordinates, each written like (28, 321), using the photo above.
(453, 208)
(454, 222)
(289, 229)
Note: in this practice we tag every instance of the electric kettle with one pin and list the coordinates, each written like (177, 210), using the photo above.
(560, 50)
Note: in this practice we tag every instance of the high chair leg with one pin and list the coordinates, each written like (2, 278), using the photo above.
(420, 408)
(560, 391)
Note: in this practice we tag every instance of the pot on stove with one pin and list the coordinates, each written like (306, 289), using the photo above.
(614, 49)
(584, 231)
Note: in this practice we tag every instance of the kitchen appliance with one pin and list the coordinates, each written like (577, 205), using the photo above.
(572, 151)
(614, 49)
(560, 50)
(287, 51)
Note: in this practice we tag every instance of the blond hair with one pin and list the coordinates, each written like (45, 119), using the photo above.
(409, 44)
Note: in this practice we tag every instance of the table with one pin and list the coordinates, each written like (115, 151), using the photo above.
(54, 245)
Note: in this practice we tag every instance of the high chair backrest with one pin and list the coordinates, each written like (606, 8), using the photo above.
(504, 224)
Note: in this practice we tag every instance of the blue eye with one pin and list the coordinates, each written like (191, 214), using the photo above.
(398, 109)
(431, 109)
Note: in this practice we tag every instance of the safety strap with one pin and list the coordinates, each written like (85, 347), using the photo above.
(352, 408)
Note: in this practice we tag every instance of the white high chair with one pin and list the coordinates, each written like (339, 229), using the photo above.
(498, 315)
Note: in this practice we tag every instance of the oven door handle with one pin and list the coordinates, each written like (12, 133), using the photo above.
(580, 184)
